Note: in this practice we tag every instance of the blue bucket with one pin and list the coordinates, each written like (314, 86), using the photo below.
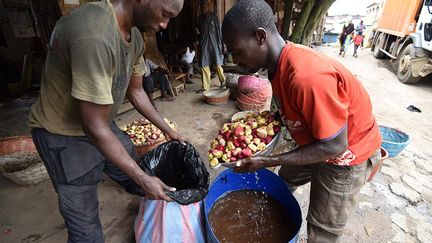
(268, 182)
(394, 140)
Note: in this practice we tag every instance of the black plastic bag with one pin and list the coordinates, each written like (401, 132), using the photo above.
(178, 166)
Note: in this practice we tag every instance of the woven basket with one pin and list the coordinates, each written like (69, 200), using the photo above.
(250, 100)
(247, 107)
(142, 149)
(248, 84)
(216, 97)
(231, 84)
(20, 162)
(232, 81)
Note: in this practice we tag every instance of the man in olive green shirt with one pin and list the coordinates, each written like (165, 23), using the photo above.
(95, 59)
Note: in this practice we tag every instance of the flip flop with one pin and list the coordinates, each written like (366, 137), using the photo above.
(168, 98)
(199, 91)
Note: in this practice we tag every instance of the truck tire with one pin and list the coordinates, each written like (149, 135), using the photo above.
(378, 45)
(404, 65)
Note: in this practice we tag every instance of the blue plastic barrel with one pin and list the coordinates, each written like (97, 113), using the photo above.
(267, 181)
(393, 140)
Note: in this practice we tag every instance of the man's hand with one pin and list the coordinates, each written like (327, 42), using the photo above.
(154, 188)
(251, 164)
(141, 102)
(175, 136)
(161, 70)
(164, 70)
(94, 119)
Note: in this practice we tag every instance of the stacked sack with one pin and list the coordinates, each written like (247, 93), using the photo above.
(231, 84)
(253, 93)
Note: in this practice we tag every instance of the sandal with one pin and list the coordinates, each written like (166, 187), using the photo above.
(199, 91)
(168, 98)
(222, 85)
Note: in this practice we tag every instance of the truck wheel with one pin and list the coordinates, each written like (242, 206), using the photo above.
(404, 66)
(378, 45)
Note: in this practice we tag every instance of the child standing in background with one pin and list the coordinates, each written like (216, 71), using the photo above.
(358, 39)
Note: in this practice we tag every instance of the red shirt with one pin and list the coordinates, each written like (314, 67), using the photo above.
(358, 40)
(318, 97)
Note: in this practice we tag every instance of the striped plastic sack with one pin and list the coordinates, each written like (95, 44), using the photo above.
(169, 222)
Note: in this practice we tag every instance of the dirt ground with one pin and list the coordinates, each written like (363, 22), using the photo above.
(395, 207)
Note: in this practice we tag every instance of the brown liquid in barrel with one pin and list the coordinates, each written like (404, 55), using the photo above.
(250, 216)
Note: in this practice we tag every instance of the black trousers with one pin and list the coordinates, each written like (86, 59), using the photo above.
(155, 80)
(75, 167)
(355, 49)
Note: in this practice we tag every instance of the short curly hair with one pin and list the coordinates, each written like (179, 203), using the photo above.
(248, 15)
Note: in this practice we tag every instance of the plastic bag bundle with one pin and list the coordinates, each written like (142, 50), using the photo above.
(178, 166)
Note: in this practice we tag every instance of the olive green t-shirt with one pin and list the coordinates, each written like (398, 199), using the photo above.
(88, 60)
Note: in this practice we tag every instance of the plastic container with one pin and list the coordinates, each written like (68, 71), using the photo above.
(394, 140)
(267, 181)
(376, 168)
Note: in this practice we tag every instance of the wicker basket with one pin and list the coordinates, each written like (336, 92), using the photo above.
(20, 162)
(232, 80)
(246, 106)
(231, 84)
(142, 149)
(216, 97)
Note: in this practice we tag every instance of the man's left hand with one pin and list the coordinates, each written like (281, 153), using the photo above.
(251, 164)
(175, 136)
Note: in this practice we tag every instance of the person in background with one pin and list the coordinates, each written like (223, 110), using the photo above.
(156, 77)
(95, 59)
(349, 33)
(324, 107)
(360, 27)
(211, 45)
(358, 40)
(342, 38)
(186, 60)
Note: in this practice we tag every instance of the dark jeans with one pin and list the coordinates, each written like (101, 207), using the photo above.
(333, 194)
(156, 79)
(342, 46)
(355, 49)
(187, 67)
(66, 159)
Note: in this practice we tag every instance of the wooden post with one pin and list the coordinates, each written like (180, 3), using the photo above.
(218, 7)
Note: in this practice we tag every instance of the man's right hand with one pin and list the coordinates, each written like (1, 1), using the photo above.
(154, 188)
(94, 118)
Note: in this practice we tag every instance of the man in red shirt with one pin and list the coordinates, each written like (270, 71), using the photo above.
(324, 107)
